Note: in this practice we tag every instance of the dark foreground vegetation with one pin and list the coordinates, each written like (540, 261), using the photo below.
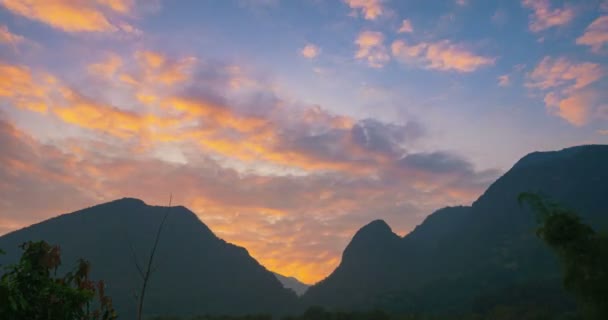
(31, 289)
(318, 313)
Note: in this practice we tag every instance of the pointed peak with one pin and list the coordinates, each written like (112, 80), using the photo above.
(375, 238)
(377, 230)
(376, 227)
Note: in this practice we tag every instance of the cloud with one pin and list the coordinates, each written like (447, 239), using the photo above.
(107, 68)
(504, 80)
(576, 107)
(371, 49)
(122, 6)
(603, 132)
(566, 87)
(26, 90)
(386, 138)
(559, 72)
(406, 27)
(292, 182)
(437, 162)
(93, 115)
(74, 16)
(310, 51)
(297, 225)
(442, 55)
(596, 35)
(246, 209)
(462, 3)
(156, 67)
(371, 9)
(544, 17)
(7, 37)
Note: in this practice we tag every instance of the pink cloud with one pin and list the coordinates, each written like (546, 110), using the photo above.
(310, 51)
(406, 27)
(596, 35)
(371, 9)
(7, 37)
(544, 17)
(442, 55)
(566, 85)
(504, 80)
(371, 48)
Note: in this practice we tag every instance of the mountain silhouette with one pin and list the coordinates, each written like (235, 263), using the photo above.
(457, 259)
(292, 283)
(196, 272)
(462, 258)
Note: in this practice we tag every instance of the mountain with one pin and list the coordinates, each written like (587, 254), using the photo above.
(292, 283)
(466, 258)
(196, 272)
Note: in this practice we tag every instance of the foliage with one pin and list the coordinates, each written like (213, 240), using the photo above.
(31, 289)
(582, 251)
(319, 313)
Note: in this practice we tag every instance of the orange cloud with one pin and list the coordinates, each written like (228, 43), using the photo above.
(92, 115)
(156, 67)
(371, 9)
(19, 86)
(295, 225)
(372, 49)
(148, 75)
(596, 35)
(566, 84)
(442, 55)
(545, 17)
(237, 161)
(214, 127)
(150, 59)
(108, 67)
(216, 115)
(67, 15)
(122, 6)
(310, 51)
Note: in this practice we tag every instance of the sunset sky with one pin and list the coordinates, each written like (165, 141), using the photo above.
(286, 125)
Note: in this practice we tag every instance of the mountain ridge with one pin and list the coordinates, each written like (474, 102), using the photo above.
(490, 243)
(479, 249)
(197, 272)
(292, 283)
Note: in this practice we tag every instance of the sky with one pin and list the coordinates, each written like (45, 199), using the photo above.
(288, 125)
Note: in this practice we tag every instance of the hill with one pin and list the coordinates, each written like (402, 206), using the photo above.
(196, 272)
(463, 258)
(292, 283)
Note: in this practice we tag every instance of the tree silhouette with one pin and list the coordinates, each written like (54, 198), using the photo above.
(31, 289)
(583, 253)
